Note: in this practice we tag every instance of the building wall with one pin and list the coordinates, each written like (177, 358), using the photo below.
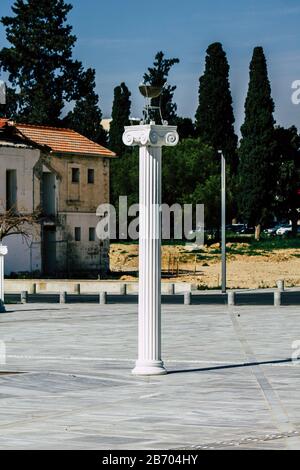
(77, 205)
(82, 196)
(24, 255)
(84, 255)
(105, 123)
(23, 161)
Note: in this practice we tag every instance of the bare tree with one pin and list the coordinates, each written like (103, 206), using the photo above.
(14, 223)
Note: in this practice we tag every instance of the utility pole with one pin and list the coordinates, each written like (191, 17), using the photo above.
(223, 211)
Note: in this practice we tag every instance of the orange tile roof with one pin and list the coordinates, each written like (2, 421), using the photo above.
(62, 140)
(3, 121)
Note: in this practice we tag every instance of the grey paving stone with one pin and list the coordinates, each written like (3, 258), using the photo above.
(231, 378)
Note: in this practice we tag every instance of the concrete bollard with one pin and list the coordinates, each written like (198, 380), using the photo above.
(2, 307)
(24, 297)
(187, 298)
(103, 298)
(280, 285)
(63, 298)
(123, 289)
(77, 289)
(171, 289)
(277, 298)
(231, 298)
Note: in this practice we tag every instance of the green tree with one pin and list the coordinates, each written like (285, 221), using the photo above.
(191, 176)
(86, 115)
(257, 149)
(214, 116)
(120, 118)
(184, 166)
(287, 166)
(124, 170)
(158, 76)
(185, 127)
(125, 178)
(39, 62)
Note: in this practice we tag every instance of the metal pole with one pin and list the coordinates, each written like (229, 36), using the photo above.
(223, 203)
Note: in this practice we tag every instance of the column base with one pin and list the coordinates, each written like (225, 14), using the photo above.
(149, 368)
(2, 307)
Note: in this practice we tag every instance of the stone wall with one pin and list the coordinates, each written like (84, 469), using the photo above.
(86, 286)
(23, 160)
(77, 205)
(24, 255)
(81, 197)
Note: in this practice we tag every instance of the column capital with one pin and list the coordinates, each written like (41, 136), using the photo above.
(3, 250)
(151, 135)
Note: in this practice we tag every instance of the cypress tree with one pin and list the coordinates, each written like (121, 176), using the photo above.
(86, 115)
(287, 168)
(214, 116)
(124, 170)
(120, 118)
(185, 127)
(39, 62)
(257, 149)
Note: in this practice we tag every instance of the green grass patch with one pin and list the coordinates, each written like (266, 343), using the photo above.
(216, 251)
(276, 243)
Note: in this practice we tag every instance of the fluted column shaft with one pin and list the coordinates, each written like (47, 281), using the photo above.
(149, 359)
(2, 277)
(3, 252)
(151, 139)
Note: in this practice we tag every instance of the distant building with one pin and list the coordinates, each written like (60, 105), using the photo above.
(135, 121)
(67, 176)
(105, 123)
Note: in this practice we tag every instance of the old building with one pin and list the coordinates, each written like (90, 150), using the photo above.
(67, 176)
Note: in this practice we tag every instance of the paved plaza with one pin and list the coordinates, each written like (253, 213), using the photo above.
(67, 380)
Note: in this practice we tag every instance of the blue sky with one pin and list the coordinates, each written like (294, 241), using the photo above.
(119, 38)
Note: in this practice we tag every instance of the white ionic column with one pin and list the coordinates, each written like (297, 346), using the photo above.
(3, 252)
(150, 138)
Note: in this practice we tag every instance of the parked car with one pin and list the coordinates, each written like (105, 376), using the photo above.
(236, 228)
(284, 230)
(247, 231)
(272, 230)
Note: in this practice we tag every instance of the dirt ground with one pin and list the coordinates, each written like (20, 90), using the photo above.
(202, 267)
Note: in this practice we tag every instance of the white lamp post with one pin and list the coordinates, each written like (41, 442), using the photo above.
(223, 222)
(150, 138)
(3, 252)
